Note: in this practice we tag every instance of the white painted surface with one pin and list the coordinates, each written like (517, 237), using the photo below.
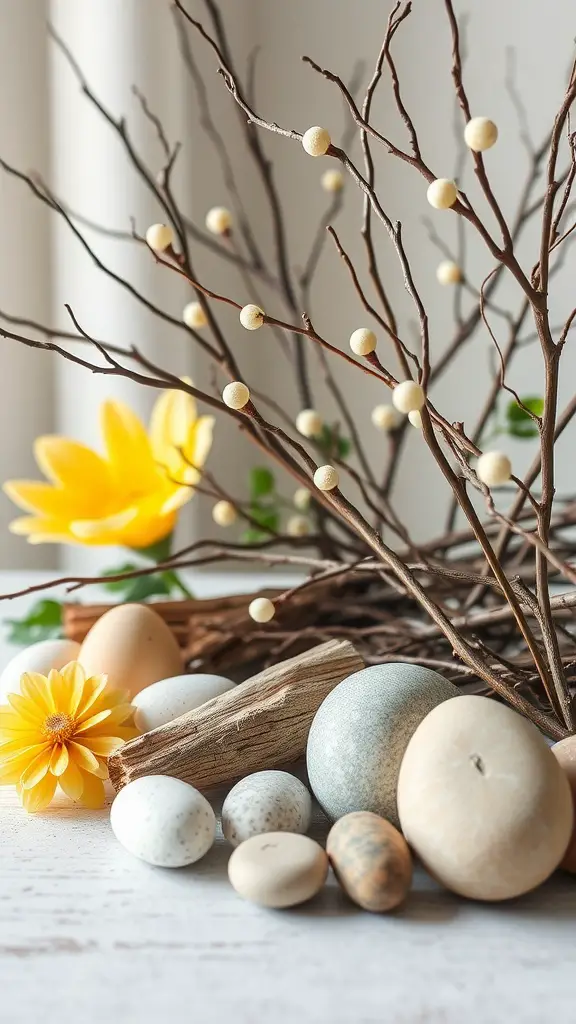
(90, 934)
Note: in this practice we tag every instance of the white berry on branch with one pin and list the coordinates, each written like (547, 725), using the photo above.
(219, 220)
(298, 526)
(442, 194)
(415, 418)
(332, 181)
(362, 341)
(408, 396)
(261, 609)
(480, 133)
(224, 513)
(194, 316)
(316, 140)
(309, 423)
(326, 478)
(385, 417)
(251, 317)
(302, 499)
(448, 272)
(236, 395)
(159, 237)
(494, 469)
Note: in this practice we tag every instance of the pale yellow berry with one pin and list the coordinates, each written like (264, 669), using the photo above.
(302, 499)
(332, 181)
(298, 526)
(194, 316)
(494, 469)
(316, 141)
(448, 272)
(309, 423)
(385, 417)
(415, 418)
(480, 133)
(219, 220)
(251, 317)
(408, 396)
(362, 341)
(442, 194)
(159, 237)
(224, 513)
(236, 395)
(261, 609)
(326, 478)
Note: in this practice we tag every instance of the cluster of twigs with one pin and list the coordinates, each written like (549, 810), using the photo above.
(475, 602)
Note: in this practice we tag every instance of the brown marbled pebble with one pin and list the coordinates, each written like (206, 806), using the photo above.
(371, 860)
(565, 754)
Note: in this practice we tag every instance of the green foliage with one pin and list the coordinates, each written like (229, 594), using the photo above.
(140, 588)
(518, 423)
(264, 507)
(262, 482)
(333, 444)
(43, 622)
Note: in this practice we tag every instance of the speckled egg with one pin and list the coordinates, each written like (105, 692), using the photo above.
(278, 870)
(167, 699)
(163, 821)
(268, 801)
(40, 657)
(371, 860)
(360, 732)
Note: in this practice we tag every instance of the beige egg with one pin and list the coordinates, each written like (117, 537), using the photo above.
(565, 754)
(483, 801)
(133, 646)
(371, 860)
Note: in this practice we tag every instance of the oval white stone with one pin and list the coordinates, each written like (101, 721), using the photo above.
(279, 869)
(483, 801)
(269, 801)
(40, 657)
(169, 698)
(163, 821)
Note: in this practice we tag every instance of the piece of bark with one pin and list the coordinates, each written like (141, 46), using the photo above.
(261, 723)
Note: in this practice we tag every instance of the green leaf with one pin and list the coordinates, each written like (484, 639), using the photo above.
(518, 423)
(332, 444)
(265, 516)
(344, 447)
(43, 622)
(261, 482)
(143, 587)
(117, 586)
(253, 536)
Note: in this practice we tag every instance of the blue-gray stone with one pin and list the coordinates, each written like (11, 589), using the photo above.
(360, 732)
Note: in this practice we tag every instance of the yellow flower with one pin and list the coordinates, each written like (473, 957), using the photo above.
(60, 730)
(129, 496)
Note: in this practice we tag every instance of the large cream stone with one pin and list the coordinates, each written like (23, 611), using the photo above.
(483, 801)
(565, 754)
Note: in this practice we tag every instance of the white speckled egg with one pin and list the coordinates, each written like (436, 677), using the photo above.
(40, 657)
(163, 821)
(169, 698)
(269, 801)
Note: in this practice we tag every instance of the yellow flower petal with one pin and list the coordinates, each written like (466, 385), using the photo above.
(93, 793)
(71, 781)
(59, 760)
(75, 680)
(26, 710)
(82, 757)
(37, 799)
(19, 761)
(93, 689)
(33, 687)
(199, 441)
(104, 530)
(128, 448)
(89, 723)
(59, 691)
(104, 746)
(172, 416)
(179, 497)
(124, 732)
(75, 466)
(42, 531)
(37, 769)
(102, 772)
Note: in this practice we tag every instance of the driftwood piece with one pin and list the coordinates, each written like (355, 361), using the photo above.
(262, 723)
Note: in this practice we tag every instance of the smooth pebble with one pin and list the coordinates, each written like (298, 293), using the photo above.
(40, 657)
(278, 869)
(167, 699)
(483, 801)
(360, 732)
(163, 821)
(371, 860)
(133, 646)
(565, 754)
(269, 801)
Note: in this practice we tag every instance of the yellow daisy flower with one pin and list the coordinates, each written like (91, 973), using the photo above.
(128, 496)
(60, 731)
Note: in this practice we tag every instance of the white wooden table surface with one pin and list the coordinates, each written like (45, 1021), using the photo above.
(91, 935)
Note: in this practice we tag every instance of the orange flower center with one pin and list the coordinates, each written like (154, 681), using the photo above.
(58, 727)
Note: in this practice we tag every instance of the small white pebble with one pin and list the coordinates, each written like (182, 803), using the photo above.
(362, 341)
(251, 317)
(236, 395)
(309, 423)
(385, 417)
(326, 478)
(480, 133)
(298, 526)
(219, 220)
(494, 469)
(159, 237)
(332, 181)
(408, 396)
(448, 272)
(224, 513)
(261, 609)
(442, 194)
(415, 418)
(302, 499)
(194, 316)
(316, 141)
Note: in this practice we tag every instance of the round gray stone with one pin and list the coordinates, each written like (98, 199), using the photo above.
(360, 733)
